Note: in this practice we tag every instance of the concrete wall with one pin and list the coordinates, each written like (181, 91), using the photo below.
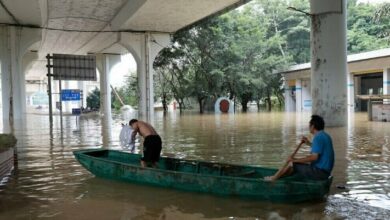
(306, 95)
(6, 162)
(289, 96)
(298, 98)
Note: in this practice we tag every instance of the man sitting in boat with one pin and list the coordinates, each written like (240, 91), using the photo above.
(152, 142)
(319, 164)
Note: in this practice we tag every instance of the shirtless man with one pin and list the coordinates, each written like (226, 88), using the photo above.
(152, 142)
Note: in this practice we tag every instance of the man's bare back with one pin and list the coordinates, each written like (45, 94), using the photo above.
(152, 142)
(144, 129)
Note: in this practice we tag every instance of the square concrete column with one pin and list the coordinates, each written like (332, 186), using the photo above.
(105, 64)
(298, 95)
(14, 42)
(12, 77)
(329, 60)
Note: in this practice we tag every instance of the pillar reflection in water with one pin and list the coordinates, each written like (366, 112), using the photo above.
(288, 129)
(19, 132)
(340, 138)
(302, 125)
(106, 130)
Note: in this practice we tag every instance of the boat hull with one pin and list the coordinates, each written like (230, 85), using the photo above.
(199, 176)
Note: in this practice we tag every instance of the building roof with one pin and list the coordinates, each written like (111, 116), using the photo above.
(375, 54)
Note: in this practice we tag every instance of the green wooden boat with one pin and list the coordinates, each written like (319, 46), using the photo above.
(201, 176)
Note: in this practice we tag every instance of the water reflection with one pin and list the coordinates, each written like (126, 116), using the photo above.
(49, 183)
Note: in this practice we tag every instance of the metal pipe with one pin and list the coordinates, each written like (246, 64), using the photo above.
(49, 90)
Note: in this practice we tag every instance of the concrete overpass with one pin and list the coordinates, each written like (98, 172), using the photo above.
(31, 29)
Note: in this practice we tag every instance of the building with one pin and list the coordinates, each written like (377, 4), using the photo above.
(368, 74)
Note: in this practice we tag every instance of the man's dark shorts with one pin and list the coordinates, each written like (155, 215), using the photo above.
(310, 172)
(152, 148)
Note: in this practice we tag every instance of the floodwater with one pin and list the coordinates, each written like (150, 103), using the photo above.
(48, 183)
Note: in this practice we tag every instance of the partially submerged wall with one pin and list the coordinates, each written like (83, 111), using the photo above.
(7, 143)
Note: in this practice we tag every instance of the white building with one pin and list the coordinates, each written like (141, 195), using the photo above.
(368, 73)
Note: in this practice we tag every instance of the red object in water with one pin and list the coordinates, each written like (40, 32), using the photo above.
(174, 105)
(224, 106)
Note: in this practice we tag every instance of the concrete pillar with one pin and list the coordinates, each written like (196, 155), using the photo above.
(298, 95)
(6, 77)
(351, 92)
(14, 42)
(386, 84)
(329, 60)
(145, 48)
(144, 72)
(104, 64)
(289, 105)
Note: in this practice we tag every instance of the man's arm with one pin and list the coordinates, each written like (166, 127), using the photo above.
(310, 158)
(133, 134)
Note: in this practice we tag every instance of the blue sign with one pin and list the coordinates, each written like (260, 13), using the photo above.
(76, 111)
(70, 95)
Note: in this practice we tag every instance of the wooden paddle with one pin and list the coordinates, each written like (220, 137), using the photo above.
(277, 175)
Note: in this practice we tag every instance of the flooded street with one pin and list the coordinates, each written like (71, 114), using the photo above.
(48, 183)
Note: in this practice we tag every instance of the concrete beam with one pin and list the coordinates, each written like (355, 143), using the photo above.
(123, 17)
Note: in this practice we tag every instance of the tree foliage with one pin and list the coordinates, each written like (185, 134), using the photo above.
(364, 32)
(128, 93)
(236, 54)
(93, 99)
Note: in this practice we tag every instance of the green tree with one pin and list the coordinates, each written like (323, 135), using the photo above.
(93, 99)
(128, 93)
(364, 34)
(236, 54)
(162, 89)
(173, 69)
(382, 17)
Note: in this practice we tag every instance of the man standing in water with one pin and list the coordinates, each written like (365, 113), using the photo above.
(152, 142)
(319, 164)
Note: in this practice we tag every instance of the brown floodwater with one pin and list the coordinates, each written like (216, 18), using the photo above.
(48, 183)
